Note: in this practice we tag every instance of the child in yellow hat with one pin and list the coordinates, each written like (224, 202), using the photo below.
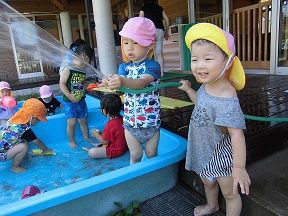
(216, 148)
(11, 145)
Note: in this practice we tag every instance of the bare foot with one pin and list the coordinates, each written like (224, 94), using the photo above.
(72, 145)
(18, 169)
(204, 210)
(90, 141)
(85, 149)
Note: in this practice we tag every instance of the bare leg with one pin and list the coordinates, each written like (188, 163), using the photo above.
(99, 152)
(151, 149)
(233, 201)
(84, 128)
(17, 153)
(211, 191)
(134, 146)
(71, 131)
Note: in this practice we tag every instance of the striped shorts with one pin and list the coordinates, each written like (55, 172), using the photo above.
(221, 161)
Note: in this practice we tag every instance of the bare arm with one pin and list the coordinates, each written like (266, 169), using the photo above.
(41, 145)
(62, 84)
(141, 13)
(117, 81)
(239, 173)
(99, 137)
(186, 86)
(166, 25)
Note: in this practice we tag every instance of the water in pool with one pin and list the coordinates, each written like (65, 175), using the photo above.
(68, 166)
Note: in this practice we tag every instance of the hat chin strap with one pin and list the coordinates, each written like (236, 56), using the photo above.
(224, 69)
(30, 120)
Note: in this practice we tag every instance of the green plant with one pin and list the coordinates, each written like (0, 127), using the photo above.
(131, 210)
(26, 97)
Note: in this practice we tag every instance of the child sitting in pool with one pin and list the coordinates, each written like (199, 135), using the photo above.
(11, 144)
(112, 141)
(5, 112)
(47, 98)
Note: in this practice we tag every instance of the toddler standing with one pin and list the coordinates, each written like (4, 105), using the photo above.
(72, 85)
(141, 111)
(216, 148)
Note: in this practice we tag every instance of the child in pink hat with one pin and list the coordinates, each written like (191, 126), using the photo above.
(141, 111)
(47, 98)
(6, 112)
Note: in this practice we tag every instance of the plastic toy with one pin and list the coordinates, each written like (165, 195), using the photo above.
(9, 102)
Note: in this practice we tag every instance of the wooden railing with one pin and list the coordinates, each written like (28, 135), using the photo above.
(216, 19)
(251, 28)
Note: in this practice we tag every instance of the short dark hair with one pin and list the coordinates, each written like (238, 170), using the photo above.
(77, 42)
(84, 49)
(112, 104)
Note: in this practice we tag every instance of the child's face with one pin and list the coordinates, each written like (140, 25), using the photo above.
(134, 51)
(207, 62)
(48, 99)
(85, 58)
(5, 92)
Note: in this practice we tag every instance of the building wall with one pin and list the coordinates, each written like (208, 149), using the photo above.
(8, 65)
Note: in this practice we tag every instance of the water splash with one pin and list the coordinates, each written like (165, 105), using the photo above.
(17, 33)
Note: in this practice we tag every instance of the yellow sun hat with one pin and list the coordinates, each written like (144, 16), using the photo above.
(225, 41)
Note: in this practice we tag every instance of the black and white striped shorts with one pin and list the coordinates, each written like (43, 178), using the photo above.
(220, 163)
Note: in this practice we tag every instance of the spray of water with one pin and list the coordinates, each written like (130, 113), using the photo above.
(17, 33)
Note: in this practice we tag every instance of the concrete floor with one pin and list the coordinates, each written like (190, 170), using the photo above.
(269, 186)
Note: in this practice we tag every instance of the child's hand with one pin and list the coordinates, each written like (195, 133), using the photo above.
(73, 98)
(186, 85)
(104, 83)
(115, 82)
(95, 132)
(241, 177)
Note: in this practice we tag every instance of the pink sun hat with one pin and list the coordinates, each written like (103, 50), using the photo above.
(30, 191)
(139, 29)
(45, 91)
(4, 85)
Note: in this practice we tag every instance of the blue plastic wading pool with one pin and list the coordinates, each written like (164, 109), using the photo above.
(78, 185)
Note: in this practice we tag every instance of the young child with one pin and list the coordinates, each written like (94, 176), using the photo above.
(141, 111)
(72, 85)
(5, 112)
(216, 148)
(47, 98)
(112, 141)
(11, 144)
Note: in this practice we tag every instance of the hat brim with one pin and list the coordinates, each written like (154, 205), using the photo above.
(19, 117)
(236, 74)
(5, 88)
(46, 95)
(136, 38)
